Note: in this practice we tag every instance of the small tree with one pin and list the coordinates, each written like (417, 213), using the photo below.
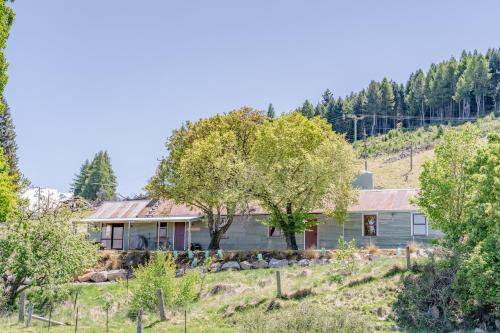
(7, 189)
(43, 248)
(298, 165)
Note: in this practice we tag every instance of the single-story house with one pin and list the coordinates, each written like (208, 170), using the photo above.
(385, 218)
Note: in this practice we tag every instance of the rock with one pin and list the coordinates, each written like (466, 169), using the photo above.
(221, 289)
(394, 329)
(303, 262)
(216, 266)
(357, 256)
(304, 273)
(274, 263)
(245, 265)
(434, 312)
(260, 264)
(478, 330)
(99, 276)
(322, 261)
(85, 277)
(230, 265)
(117, 274)
(292, 262)
(179, 272)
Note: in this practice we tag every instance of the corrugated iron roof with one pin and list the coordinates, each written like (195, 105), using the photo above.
(369, 200)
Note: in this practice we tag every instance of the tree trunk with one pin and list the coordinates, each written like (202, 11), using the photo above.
(289, 230)
(291, 241)
(215, 237)
(217, 228)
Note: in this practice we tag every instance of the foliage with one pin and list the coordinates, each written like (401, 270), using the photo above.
(7, 190)
(8, 139)
(344, 254)
(43, 248)
(460, 194)
(303, 318)
(159, 273)
(298, 165)
(96, 180)
(207, 167)
(6, 20)
(270, 112)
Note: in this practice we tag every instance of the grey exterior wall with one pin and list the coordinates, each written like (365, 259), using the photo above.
(248, 233)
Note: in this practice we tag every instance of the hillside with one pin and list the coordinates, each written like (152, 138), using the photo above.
(389, 154)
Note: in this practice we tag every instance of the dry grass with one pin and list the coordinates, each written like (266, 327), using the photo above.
(372, 249)
(110, 260)
(311, 254)
(412, 246)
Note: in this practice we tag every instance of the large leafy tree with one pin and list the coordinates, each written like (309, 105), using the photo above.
(300, 164)
(8, 139)
(44, 249)
(207, 167)
(96, 181)
(7, 189)
(6, 19)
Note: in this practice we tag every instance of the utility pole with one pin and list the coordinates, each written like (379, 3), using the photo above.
(355, 118)
(364, 149)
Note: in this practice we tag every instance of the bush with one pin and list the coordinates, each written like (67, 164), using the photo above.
(344, 254)
(305, 318)
(160, 273)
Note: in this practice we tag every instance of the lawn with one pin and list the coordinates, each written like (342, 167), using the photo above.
(232, 301)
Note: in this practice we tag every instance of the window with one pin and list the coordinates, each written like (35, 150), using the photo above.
(273, 232)
(370, 225)
(162, 235)
(106, 232)
(419, 225)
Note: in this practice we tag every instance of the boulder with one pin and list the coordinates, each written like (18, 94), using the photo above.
(117, 274)
(322, 261)
(292, 262)
(230, 265)
(260, 264)
(99, 276)
(85, 277)
(179, 272)
(215, 266)
(245, 265)
(274, 263)
(304, 262)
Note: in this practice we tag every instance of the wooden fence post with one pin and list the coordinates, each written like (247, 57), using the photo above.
(50, 316)
(22, 306)
(107, 319)
(161, 304)
(139, 321)
(278, 284)
(30, 315)
(76, 299)
(76, 320)
(408, 263)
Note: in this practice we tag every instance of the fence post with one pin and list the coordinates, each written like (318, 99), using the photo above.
(107, 319)
(30, 315)
(278, 284)
(139, 321)
(408, 263)
(76, 299)
(76, 320)
(185, 321)
(161, 304)
(50, 316)
(22, 305)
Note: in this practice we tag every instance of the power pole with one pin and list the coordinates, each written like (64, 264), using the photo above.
(364, 149)
(355, 118)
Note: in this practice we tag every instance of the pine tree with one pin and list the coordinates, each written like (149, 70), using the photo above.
(8, 139)
(79, 181)
(307, 109)
(373, 105)
(386, 102)
(96, 180)
(270, 111)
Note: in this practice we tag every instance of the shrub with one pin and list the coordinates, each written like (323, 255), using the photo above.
(311, 254)
(372, 249)
(307, 317)
(344, 254)
(412, 246)
(160, 273)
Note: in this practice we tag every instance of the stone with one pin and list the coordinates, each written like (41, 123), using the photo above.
(394, 328)
(230, 265)
(274, 263)
(478, 330)
(245, 265)
(292, 262)
(304, 273)
(322, 261)
(260, 264)
(274, 305)
(85, 277)
(303, 262)
(215, 266)
(179, 272)
(117, 274)
(99, 276)
(357, 256)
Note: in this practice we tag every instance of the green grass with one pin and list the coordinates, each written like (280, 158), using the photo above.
(368, 298)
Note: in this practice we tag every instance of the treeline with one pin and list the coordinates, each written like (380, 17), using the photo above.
(96, 180)
(452, 90)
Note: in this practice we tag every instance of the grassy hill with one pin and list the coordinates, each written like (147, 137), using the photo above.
(389, 154)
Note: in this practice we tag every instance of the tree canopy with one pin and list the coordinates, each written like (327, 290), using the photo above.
(96, 180)
(298, 165)
(7, 189)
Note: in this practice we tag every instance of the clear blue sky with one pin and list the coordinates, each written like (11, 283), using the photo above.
(120, 75)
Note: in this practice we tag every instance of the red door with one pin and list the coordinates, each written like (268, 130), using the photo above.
(179, 231)
(311, 238)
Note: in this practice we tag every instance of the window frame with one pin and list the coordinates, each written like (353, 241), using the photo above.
(363, 224)
(412, 225)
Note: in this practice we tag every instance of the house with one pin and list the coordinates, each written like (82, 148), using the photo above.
(385, 218)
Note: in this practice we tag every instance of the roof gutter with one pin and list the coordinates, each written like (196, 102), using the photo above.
(144, 219)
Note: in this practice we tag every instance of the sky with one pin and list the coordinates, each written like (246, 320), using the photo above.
(120, 75)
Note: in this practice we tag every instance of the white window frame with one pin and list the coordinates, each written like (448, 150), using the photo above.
(363, 224)
(412, 224)
(275, 230)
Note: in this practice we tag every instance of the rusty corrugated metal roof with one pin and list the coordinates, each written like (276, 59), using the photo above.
(369, 201)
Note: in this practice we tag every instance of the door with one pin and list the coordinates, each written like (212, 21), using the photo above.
(311, 237)
(117, 237)
(179, 232)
